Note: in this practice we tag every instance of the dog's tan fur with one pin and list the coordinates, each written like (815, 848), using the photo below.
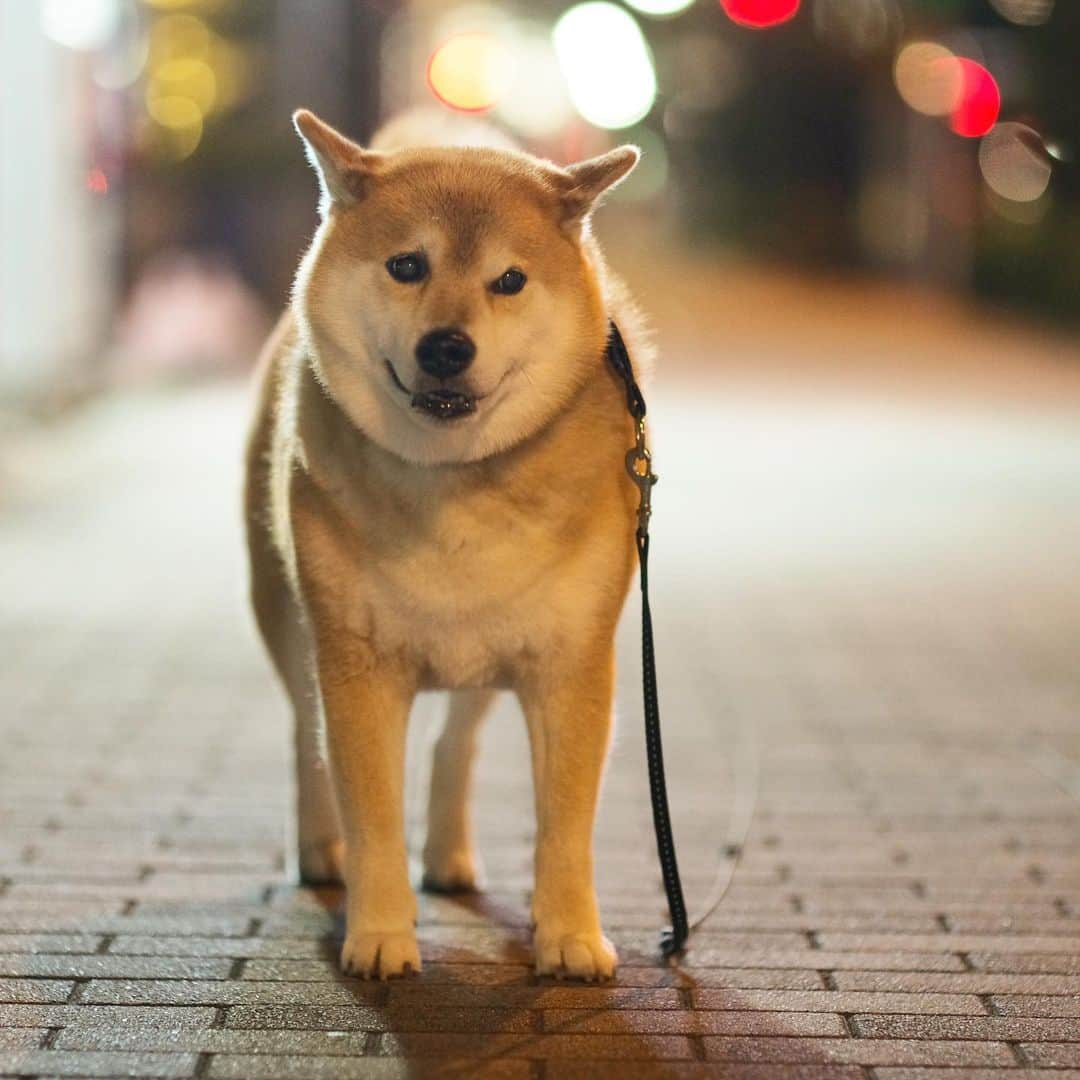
(393, 552)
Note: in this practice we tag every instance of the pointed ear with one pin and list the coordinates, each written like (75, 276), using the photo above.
(343, 167)
(585, 182)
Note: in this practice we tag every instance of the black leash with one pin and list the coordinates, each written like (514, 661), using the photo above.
(639, 466)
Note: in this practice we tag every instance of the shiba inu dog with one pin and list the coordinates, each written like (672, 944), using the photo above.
(435, 499)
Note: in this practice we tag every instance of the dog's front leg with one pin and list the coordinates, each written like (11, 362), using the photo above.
(569, 716)
(367, 710)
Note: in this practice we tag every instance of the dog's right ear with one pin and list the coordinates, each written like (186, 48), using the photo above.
(344, 168)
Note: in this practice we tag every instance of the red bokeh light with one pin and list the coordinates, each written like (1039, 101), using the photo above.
(979, 103)
(760, 13)
(97, 183)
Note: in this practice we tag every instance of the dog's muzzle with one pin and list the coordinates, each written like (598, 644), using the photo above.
(440, 403)
(444, 404)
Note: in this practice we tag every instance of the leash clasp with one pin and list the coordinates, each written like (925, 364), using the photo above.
(639, 468)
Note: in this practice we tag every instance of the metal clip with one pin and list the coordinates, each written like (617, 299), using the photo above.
(639, 467)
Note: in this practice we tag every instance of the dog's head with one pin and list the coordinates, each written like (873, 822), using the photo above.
(448, 299)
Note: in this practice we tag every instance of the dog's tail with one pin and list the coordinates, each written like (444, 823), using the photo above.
(428, 125)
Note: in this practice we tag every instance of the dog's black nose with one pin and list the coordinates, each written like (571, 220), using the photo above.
(444, 353)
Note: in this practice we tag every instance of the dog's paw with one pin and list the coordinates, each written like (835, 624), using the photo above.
(321, 863)
(456, 872)
(380, 954)
(586, 956)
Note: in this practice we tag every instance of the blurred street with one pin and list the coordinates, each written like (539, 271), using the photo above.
(867, 609)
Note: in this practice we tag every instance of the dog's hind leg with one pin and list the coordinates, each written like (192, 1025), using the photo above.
(317, 847)
(450, 860)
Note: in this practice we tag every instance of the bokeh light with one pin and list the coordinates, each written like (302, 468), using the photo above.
(607, 64)
(469, 71)
(977, 108)
(536, 103)
(660, 8)
(79, 24)
(758, 14)
(925, 78)
(858, 27)
(97, 183)
(185, 77)
(192, 72)
(1014, 163)
(118, 66)
(1024, 12)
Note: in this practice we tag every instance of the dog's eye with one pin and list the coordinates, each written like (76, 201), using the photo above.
(407, 268)
(509, 282)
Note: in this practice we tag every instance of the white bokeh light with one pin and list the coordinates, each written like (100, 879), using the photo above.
(660, 8)
(536, 102)
(80, 24)
(1024, 12)
(607, 64)
(1014, 162)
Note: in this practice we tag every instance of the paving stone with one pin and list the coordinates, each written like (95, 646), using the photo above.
(856, 1051)
(106, 1016)
(415, 994)
(237, 948)
(985, 1028)
(43, 1063)
(23, 1038)
(1052, 1055)
(227, 992)
(840, 1001)
(1036, 1005)
(308, 1017)
(821, 959)
(436, 1018)
(952, 942)
(737, 978)
(686, 1070)
(29, 991)
(968, 982)
(76, 920)
(902, 1073)
(43, 944)
(265, 1067)
(683, 1022)
(111, 967)
(213, 1041)
(538, 1047)
(1026, 963)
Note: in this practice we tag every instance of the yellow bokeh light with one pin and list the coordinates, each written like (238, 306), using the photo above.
(469, 71)
(201, 5)
(175, 111)
(192, 79)
(179, 37)
(179, 125)
(927, 79)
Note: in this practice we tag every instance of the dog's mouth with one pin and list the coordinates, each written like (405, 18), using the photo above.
(440, 403)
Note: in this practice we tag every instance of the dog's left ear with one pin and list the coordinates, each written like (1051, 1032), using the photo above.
(344, 168)
(583, 184)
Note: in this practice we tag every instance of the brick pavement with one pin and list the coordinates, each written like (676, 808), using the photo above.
(884, 602)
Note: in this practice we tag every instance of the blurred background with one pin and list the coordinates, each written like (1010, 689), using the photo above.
(847, 158)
